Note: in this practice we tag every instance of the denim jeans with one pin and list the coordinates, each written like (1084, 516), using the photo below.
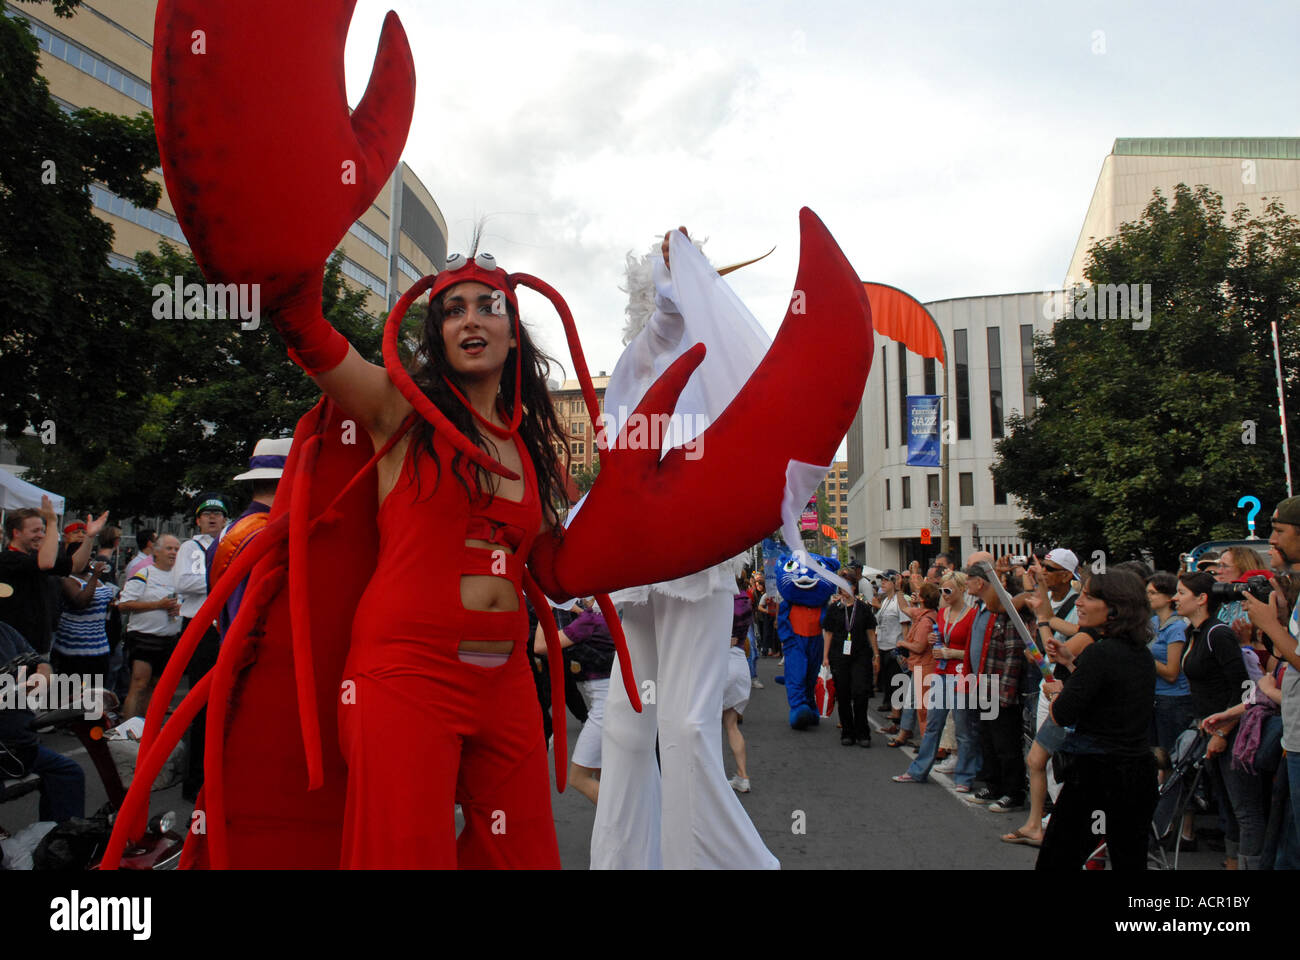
(753, 652)
(1240, 805)
(968, 744)
(63, 786)
(1288, 847)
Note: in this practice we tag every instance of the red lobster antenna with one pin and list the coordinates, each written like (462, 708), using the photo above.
(593, 412)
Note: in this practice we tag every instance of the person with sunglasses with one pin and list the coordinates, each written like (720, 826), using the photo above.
(955, 620)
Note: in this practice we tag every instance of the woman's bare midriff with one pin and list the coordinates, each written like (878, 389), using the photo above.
(486, 594)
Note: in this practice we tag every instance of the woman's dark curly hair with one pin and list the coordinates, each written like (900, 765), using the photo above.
(1125, 594)
(538, 427)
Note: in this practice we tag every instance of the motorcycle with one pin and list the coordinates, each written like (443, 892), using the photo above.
(160, 846)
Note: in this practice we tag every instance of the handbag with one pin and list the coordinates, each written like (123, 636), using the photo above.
(824, 692)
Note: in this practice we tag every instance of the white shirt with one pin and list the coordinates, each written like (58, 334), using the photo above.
(1291, 696)
(191, 571)
(149, 585)
(889, 623)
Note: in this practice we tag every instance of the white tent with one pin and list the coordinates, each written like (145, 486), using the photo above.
(15, 494)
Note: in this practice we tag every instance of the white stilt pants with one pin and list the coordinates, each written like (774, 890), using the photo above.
(692, 819)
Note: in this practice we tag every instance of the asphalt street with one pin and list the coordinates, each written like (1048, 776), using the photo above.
(854, 816)
(816, 804)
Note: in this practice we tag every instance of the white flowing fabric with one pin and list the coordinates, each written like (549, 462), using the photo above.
(678, 630)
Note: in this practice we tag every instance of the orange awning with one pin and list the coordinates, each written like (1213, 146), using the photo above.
(829, 532)
(900, 317)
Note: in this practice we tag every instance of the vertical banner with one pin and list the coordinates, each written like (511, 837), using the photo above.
(808, 520)
(923, 431)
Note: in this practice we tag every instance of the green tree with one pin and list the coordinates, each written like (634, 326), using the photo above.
(204, 391)
(586, 476)
(1140, 440)
(66, 348)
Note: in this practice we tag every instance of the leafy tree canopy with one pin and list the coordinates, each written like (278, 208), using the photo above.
(1146, 439)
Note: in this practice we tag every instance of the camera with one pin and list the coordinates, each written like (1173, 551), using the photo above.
(1257, 586)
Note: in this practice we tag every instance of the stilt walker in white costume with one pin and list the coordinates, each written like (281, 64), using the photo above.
(678, 631)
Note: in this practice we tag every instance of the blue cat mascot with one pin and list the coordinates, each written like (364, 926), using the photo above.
(798, 624)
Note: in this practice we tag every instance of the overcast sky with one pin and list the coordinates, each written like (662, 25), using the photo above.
(951, 148)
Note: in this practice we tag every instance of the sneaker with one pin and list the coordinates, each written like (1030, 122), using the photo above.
(865, 743)
(1006, 805)
(755, 683)
(947, 766)
(739, 785)
(962, 788)
(846, 741)
(982, 795)
(781, 662)
(906, 778)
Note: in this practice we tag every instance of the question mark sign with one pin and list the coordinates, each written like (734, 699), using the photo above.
(1253, 502)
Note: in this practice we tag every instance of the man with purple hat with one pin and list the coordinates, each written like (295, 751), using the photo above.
(265, 467)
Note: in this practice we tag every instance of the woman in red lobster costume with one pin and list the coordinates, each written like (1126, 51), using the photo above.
(371, 679)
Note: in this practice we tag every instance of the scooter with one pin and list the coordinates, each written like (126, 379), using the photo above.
(160, 846)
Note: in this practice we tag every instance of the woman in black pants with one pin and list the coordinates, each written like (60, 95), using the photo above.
(1217, 675)
(1108, 698)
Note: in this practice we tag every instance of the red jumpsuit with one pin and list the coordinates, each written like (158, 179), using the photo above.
(423, 730)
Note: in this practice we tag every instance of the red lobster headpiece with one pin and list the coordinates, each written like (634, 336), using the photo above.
(482, 269)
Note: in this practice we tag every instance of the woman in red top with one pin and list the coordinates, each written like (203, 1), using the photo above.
(955, 620)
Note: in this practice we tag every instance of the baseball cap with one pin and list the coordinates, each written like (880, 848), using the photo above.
(978, 570)
(1288, 511)
(211, 502)
(1065, 559)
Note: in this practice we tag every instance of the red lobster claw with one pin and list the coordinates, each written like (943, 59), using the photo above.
(264, 164)
(673, 509)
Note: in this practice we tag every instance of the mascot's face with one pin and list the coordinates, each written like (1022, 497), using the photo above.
(798, 584)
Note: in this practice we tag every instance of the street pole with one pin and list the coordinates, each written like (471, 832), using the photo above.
(944, 499)
(1281, 408)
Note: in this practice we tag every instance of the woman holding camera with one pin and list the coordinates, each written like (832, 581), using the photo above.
(1218, 679)
(1107, 697)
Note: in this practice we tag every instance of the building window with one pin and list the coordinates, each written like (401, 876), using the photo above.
(371, 239)
(844, 474)
(999, 496)
(966, 488)
(154, 220)
(932, 487)
(884, 383)
(995, 379)
(361, 275)
(407, 267)
(1027, 365)
(574, 467)
(888, 504)
(927, 365)
(907, 493)
(902, 395)
(579, 428)
(578, 449)
(963, 384)
(61, 48)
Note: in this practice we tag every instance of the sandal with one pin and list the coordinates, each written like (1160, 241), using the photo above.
(892, 728)
(899, 742)
(1021, 837)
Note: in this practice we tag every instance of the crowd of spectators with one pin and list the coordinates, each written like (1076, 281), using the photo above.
(1132, 671)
